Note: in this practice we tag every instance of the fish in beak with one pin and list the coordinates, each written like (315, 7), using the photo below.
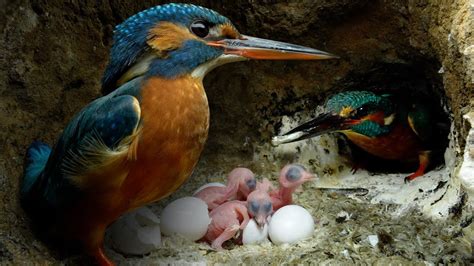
(322, 124)
(257, 48)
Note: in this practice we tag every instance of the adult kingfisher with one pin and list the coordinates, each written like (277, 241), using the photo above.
(385, 125)
(141, 141)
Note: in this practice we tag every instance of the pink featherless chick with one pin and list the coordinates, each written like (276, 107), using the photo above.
(226, 221)
(291, 177)
(259, 203)
(247, 182)
(231, 217)
(241, 181)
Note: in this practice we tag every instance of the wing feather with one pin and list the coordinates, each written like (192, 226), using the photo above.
(94, 148)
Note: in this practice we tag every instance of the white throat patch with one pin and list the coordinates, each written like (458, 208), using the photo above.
(389, 119)
(201, 71)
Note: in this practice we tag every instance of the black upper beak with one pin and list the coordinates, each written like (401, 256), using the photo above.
(257, 48)
(322, 124)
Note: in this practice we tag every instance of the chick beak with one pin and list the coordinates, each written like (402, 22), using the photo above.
(322, 124)
(261, 220)
(308, 177)
(257, 48)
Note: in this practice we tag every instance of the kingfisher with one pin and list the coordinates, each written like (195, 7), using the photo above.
(385, 125)
(142, 140)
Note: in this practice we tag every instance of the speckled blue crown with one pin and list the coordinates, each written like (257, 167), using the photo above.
(351, 98)
(130, 37)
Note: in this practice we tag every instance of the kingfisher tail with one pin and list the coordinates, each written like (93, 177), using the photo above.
(37, 156)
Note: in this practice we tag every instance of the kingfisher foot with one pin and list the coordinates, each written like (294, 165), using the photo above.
(412, 176)
(424, 161)
(354, 169)
(356, 166)
(101, 259)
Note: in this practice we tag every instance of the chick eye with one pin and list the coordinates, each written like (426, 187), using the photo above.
(293, 174)
(251, 184)
(267, 207)
(200, 28)
(254, 206)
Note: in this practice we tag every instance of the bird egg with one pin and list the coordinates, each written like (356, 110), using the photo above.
(290, 224)
(136, 233)
(187, 217)
(253, 234)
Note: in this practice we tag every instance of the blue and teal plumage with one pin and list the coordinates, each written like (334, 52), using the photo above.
(371, 129)
(37, 156)
(371, 102)
(388, 126)
(422, 121)
(183, 60)
(356, 99)
(130, 39)
(411, 112)
(89, 140)
(350, 98)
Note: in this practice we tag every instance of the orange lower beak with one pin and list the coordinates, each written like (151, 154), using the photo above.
(256, 48)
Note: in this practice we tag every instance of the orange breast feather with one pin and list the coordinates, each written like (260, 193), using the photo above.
(175, 123)
(400, 144)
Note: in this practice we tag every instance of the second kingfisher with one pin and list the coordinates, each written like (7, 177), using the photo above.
(388, 126)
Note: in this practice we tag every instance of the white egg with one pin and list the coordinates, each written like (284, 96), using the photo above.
(253, 234)
(187, 217)
(136, 233)
(212, 184)
(290, 224)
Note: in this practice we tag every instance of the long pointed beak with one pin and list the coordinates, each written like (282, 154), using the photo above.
(322, 124)
(257, 48)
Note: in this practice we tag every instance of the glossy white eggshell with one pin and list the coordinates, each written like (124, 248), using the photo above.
(212, 184)
(187, 217)
(253, 234)
(136, 233)
(290, 224)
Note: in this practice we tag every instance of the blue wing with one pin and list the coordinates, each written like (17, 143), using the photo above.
(421, 121)
(102, 134)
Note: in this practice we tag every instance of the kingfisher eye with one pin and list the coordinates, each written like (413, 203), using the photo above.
(200, 28)
(359, 112)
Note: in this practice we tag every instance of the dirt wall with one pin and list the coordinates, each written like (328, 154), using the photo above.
(54, 52)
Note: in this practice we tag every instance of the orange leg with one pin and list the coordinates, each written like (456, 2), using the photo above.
(94, 244)
(101, 258)
(424, 158)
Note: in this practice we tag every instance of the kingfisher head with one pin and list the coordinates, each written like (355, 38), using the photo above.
(177, 39)
(362, 112)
